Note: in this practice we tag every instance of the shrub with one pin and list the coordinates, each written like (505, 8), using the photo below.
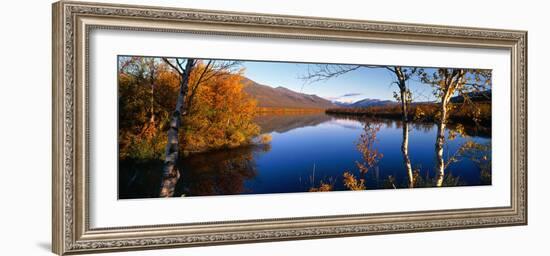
(352, 183)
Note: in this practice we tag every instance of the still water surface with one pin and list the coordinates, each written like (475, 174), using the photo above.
(305, 150)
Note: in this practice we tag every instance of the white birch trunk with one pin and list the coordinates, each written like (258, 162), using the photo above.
(170, 172)
(440, 142)
(405, 144)
(405, 119)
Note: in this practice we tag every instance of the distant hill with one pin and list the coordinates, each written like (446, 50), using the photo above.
(366, 103)
(483, 96)
(372, 102)
(281, 97)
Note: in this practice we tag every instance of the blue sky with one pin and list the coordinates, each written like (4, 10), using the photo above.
(374, 83)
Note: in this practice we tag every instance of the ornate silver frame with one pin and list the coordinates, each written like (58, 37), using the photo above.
(72, 22)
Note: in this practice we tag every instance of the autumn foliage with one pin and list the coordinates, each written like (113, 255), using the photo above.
(221, 116)
(218, 113)
(352, 183)
(478, 114)
(366, 147)
(323, 187)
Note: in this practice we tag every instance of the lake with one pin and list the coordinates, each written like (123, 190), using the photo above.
(309, 148)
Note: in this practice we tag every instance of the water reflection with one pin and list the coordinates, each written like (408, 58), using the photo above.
(308, 150)
(212, 173)
(469, 130)
(220, 172)
(284, 122)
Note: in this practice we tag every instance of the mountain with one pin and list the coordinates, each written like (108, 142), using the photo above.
(366, 103)
(372, 102)
(281, 97)
(483, 96)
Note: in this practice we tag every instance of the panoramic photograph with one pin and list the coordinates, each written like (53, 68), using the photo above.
(205, 127)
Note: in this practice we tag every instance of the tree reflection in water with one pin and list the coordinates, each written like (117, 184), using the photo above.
(212, 173)
(477, 153)
(300, 148)
(220, 172)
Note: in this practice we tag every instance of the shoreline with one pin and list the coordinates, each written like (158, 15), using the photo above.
(425, 113)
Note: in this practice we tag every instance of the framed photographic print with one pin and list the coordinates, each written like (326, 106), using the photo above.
(179, 127)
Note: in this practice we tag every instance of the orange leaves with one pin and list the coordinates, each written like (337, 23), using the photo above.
(217, 112)
(221, 113)
(166, 91)
(365, 145)
(323, 187)
(353, 183)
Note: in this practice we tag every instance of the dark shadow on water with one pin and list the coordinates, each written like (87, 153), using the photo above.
(221, 172)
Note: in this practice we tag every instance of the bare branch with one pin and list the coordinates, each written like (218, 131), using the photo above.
(323, 72)
(167, 61)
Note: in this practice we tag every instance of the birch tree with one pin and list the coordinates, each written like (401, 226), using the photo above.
(203, 72)
(401, 75)
(446, 83)
(170, 173)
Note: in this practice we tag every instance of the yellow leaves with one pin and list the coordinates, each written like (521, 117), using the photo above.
(365, 146)
(323, 187)
(458, 129)
(221, 113)
(236, 139)
(217, 112)
(419, 113)
(352, 183)
(125, 79)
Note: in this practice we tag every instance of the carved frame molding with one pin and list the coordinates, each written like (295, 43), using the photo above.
(72, 22)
